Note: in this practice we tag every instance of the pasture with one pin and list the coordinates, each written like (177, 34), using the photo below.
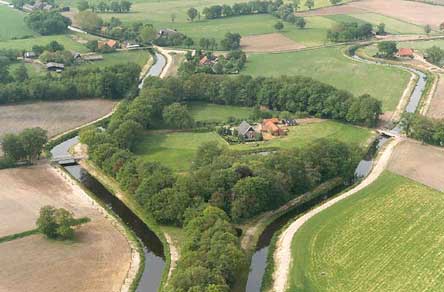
(329, 65)
(56, 117)
(12, 24)
(178, 149)
(388, 237)
(217, 113)
(26, 44)
(97, 260)
(140, 57)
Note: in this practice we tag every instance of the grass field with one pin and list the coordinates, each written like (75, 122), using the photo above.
(124, 57)
(217, 113)
(177, 150)
(388, 237)
(392, 25)
(12, 24)
(329, 65)
(26, 44)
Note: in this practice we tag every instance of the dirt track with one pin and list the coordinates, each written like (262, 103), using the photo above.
(422, 163)
(282, 254)
(98, 260)
(56, 116)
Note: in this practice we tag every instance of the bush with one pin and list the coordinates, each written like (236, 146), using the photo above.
(56, 223)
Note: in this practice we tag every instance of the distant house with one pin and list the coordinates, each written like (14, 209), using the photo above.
(57, 67)
(290, 122)
(405, 53)
(30, 55)
(131, 46)
(38, 5)
(271, 126)
(205, 60)
(110, 43)
(246, 131)
(166, 32)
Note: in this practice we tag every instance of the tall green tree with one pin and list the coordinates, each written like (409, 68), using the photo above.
(192, 13)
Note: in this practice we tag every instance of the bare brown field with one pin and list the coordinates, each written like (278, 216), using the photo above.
(99, 258)
(273, 42)
(422, 163)
(436, 108)
(56, 117)
(412, 12)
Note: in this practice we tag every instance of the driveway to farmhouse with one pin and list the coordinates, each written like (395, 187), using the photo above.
(282, 254)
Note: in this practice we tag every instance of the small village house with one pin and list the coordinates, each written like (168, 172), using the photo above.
(405, 53)
(272, 127)
(167, 32)
(246, 132)
(110, 43)
(57, 67)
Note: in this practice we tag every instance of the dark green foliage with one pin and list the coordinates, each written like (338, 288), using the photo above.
(47, 23)
(25, 146)
(293, 94)
(352, 31)
(387, 49)
(210, 256)
(112, 82)
(427, 130)
(435, 55)
(231, 64)
(57, 223)
(177, 116)
(230, 42)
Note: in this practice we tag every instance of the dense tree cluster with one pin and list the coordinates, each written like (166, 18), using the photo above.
(208, 63)
(387, 49)
(111, 82)
(211, 256)
(293, 94)
(25, 146)
(352, 31)
(427, 130)
(277, 8)
(122, 6)
(435, 55)
(47, 22)
(57, 223)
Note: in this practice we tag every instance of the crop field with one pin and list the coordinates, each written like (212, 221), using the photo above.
(421, 46)
(329, 65)
(98, 258)
(388, 237)
(12, 24)
(177, 149)
(56, 117)
(26, 44)
(217, 113)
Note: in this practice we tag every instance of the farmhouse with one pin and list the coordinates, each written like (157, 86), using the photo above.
(272, 127)
(38, 5)
(246, 132)
(405, 53)
(110, 43)
(30, 55)
(166, 32)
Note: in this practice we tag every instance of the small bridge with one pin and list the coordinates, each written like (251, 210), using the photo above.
(389, 133)
(66, 160)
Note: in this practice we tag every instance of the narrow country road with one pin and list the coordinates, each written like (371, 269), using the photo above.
(282, 254)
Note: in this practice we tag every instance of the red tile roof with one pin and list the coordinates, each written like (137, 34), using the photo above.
(405, 52)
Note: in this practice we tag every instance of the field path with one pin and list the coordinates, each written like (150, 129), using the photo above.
(282, 254)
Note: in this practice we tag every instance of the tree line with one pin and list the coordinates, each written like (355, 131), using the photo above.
(122, 6)
(350, 31)
(25, 146)
(47, 22)
(422, 128)
(294, 94)
(111, 82)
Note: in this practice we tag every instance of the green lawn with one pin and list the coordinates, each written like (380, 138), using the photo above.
(392, 25)
(388, 237)
(26, 44)
(177, 150)
(422, 45)
(329, 65)
(302, 135)
(12, 24)
(123, 57)
(217, 113)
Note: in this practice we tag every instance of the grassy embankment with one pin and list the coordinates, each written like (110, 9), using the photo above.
(384, 238)
(329, 65)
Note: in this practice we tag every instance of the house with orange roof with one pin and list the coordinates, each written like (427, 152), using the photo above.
(405, 53)
(272, 127)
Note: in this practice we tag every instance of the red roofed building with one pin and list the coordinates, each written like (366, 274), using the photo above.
(110, 43)
(405, 53)
(270, 126)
